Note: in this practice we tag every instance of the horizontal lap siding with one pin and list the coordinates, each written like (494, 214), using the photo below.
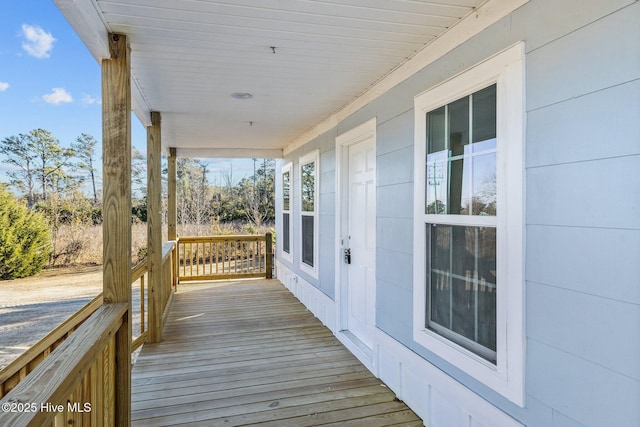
(583, 216)
(582, 153)
(325, 180)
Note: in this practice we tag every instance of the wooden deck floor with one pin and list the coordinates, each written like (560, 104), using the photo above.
(247, 352)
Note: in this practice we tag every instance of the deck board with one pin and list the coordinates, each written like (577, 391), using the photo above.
(249, 353)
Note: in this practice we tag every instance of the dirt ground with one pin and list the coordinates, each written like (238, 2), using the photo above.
(30, 308)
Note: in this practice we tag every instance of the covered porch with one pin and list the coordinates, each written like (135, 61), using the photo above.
(210, 79)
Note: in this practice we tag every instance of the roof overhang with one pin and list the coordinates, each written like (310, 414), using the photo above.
(306, 63)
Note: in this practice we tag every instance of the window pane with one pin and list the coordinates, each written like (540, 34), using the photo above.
(307, 239)
(462, 179)
(437, 178)
(463, 267)
(484, 185)
(308, 187)
(486, 286)
(458, 126)
(286, 187)
(462, 286)
(440, 237)
(484, 119)
(459, 191)
(436, 131)
(285, 233)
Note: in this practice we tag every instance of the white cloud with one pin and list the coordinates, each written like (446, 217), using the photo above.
(38, 43)
(4, 86)
(58, 96)
(89, 100)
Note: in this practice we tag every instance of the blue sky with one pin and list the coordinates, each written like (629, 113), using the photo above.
(49, 80)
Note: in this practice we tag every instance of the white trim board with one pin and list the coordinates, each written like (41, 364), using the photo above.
(360, 133)
(506, 69)
(288, 167)
(486, 15)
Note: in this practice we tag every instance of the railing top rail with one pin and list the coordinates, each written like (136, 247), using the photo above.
(139, 270)
(167, 248)
(230, 237)
(54, 379)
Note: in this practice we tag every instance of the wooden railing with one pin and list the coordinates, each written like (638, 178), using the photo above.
(225, 257)
(17, 370)
(138, 274)
(169, 277)
(76, 384)
(68, 377)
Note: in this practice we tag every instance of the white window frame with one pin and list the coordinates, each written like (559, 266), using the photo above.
(311, 157)
(506, 70)
(288, 256)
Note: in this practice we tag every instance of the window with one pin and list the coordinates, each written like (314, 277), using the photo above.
(287, 179)
(308, 209)
(468, 223)
(461, 180)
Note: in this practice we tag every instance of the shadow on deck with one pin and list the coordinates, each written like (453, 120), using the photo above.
(248, 352)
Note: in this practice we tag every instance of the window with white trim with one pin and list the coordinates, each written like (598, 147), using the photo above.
(461, 255)
(469, 222)
(287, 180)
(308, 172)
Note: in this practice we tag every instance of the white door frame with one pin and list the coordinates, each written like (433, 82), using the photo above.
(354, 136)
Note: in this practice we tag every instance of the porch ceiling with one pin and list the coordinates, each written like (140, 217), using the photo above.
(302, 60)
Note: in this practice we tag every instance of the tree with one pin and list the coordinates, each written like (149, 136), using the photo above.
(138, 173)
(84, 147)
(24, 239)
(19, 154)
(257, 194)
(50, 158)
(194, 193)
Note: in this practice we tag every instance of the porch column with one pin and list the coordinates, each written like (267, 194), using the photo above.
(116, 209)
(172, 217)
(172, 214)
(154, 228)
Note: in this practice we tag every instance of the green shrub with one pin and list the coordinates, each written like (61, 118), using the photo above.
(24, 239)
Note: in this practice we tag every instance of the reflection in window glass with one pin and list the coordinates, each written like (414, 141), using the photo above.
(458, 112)
(285, 233)
(286, 188)
(484, 197)
(307, 240)
(484, 119)
(462, 286)
(437, 176)
(460, 176)
(436, 130)
(308, 186)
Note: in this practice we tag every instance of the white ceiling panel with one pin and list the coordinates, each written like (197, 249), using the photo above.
(302, 60)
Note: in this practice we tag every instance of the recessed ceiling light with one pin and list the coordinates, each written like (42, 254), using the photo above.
(241, 95)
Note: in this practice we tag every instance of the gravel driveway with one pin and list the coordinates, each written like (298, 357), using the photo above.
(31, 308)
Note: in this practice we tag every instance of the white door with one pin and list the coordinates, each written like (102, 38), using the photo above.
(361, 241)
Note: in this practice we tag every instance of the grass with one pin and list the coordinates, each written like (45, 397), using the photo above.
(82, 244)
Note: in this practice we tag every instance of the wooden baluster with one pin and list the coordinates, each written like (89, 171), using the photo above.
(269, 256)
(142, 304)
(191, 258)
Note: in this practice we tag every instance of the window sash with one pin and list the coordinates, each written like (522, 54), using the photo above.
(461, 288)
(286, 232)
(308, 239)
(308, 227)
(286, 180)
